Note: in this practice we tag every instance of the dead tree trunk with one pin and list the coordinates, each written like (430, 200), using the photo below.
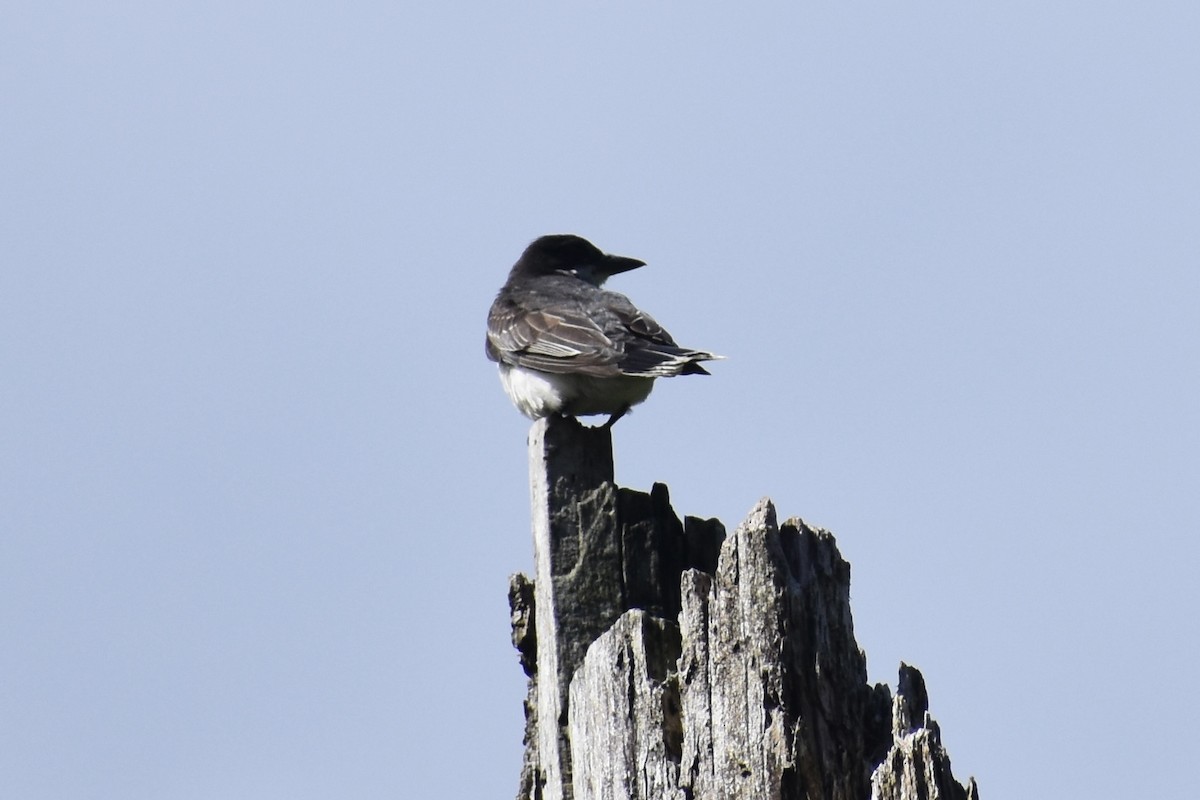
(667, 661)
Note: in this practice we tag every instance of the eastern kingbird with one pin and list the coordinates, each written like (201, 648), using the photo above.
(566, 346)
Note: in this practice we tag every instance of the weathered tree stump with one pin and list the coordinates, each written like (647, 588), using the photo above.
(668, 662)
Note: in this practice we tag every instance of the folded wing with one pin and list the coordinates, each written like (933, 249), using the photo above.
(603, 340)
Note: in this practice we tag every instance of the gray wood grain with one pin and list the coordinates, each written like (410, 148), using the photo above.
(668, 661)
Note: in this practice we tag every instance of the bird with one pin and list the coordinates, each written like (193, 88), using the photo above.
(566, 346)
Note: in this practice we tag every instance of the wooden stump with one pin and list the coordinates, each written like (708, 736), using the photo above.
(668, 662)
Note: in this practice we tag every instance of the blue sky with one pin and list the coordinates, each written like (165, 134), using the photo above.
(260, 491)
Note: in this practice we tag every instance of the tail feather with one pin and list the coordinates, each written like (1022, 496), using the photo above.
(664, 361)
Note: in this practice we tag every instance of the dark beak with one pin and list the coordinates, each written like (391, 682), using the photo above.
(617, 264)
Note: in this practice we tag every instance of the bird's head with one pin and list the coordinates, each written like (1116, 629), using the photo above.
(567, 254)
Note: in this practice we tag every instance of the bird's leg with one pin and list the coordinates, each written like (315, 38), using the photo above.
(612, 420)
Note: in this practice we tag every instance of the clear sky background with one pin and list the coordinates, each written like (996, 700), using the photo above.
(260, 491)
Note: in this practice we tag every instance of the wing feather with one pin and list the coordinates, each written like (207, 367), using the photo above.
(551, 340)
(604, 339)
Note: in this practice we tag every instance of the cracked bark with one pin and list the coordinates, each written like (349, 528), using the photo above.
(667, 661)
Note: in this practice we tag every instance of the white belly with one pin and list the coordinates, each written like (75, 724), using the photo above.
(539, 394)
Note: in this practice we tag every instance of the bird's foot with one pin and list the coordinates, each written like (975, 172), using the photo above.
(612, 420)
